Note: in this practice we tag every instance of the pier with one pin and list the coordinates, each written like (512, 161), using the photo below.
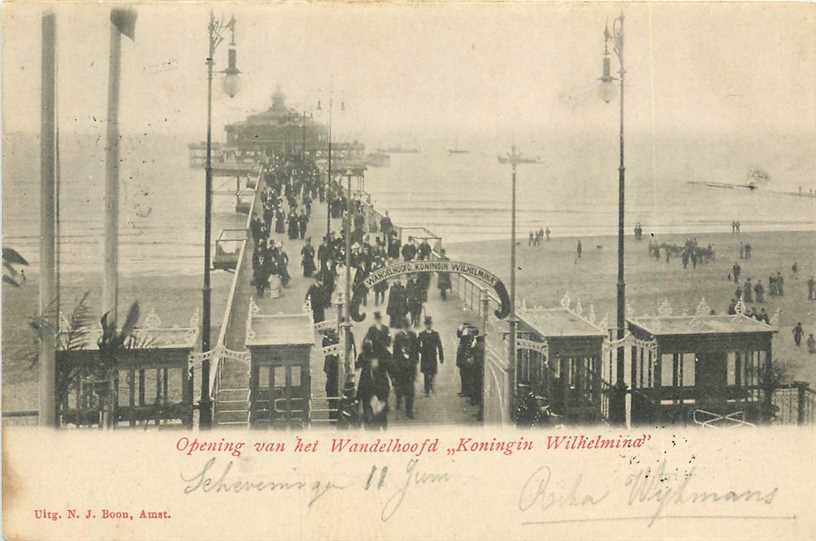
(231, 374)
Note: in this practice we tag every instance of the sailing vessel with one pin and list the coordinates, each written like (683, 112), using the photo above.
(505, 160)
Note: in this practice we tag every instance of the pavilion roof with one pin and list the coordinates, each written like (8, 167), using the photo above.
(669, 325)
(280, 330)
(560, 322)
(144, 338)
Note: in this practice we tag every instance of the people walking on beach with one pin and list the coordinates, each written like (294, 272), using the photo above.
(798, 332)
(811, 344)
(780, 284)
(747, 291)
(759, 291)
(579, 249)
(735, 271)
(547, 233)
(430, 354)
(811, 283)
(530, 239)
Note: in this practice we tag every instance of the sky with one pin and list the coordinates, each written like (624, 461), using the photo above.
(459, 70)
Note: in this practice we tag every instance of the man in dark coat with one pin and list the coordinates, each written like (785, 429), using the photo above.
(409, 251)
(404, 367)
(424, 250)
(396, 305)
(430, 352)
(380, 337)
(413, 299)
(386, 227)
(373, 391)
(464, 357)
(443, 280)
(317, 297)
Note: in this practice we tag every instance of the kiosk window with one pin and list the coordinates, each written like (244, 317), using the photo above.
(295, 376)
(279, 376)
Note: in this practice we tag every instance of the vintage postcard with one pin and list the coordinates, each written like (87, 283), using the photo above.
(408, 271)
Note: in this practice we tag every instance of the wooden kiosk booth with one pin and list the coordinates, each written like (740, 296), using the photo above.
(280, 379)
(153, 382)
(559, 356)
(708, 369)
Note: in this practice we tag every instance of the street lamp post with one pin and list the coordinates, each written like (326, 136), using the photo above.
(617, 403)
(329, 169)
(347, 307)
(514, 159)
(231, 86)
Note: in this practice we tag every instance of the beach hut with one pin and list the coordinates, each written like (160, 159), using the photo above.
(702, 368)
(280, 379)
(559, 354)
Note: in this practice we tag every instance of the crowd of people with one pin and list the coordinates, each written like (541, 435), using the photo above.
(289, 187)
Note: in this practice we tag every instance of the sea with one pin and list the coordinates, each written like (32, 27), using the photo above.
(572, 189)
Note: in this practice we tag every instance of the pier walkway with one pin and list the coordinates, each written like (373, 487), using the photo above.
(230, 376)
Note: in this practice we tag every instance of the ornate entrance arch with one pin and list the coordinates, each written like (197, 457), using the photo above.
(410, 267)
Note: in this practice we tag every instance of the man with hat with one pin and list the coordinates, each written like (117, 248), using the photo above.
(396, 308)
(404, 366)
(380, 337)
(316, 295)
(430, 351)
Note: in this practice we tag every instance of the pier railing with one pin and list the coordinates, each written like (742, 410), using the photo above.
(225, 349)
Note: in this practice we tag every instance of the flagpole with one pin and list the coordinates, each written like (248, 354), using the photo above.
(110, 284)
(47, 312)
(122, 21)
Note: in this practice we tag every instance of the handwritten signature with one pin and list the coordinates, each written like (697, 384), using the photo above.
(657, 489)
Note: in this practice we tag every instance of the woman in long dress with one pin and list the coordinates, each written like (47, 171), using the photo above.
(294, 225)
(307, 253)
(280, 219)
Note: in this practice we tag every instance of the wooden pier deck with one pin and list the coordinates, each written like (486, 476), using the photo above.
(232, 395)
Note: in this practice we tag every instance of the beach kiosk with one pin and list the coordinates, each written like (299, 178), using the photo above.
(153, 383)
(280, 381)
(705, 369)
(559, 358)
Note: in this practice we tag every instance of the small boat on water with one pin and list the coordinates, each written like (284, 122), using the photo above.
(458, 151)
(378, 159)
(398, 150)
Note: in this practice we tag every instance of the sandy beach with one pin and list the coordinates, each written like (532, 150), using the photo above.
(546, 272)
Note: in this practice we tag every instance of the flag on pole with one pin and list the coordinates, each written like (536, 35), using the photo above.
(125, 21)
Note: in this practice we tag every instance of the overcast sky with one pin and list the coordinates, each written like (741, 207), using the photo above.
(448, 70)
